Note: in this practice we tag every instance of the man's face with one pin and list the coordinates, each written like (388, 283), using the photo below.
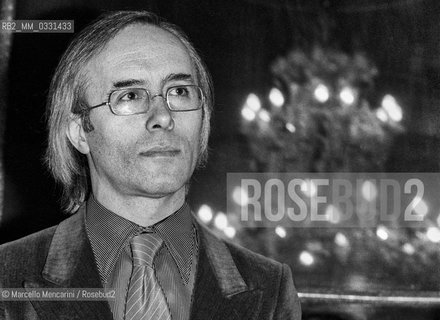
(151, 154)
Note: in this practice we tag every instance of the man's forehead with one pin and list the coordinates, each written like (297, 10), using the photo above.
(139, 49)
(135, 41)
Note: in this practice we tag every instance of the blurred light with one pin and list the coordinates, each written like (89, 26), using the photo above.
(264, 115)
(308, 187)
(347, 95)
(332, 214)
(221, 221)
(321, 93)
(240, 196)
(382, 232)
(420, 235)
(276, 97)
(230, 232)
(341, 240)
(253, 102)
(382, 115)
(408, 248)
(247, 114)
(420, 207)
(369, 190)
(294, 87)
(392, 108)
(306, 258)
(314, 245)
(290, 127)
(205, 213)
(358, 282)
(433, 234)
(438, 219)
(281, 232)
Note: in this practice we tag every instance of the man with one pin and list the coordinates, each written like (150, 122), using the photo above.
(129, 110)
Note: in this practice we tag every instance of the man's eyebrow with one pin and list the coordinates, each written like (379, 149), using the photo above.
(142, 83)
(128, 83)
(177, 77)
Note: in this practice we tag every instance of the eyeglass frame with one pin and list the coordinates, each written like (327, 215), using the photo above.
(150, 98)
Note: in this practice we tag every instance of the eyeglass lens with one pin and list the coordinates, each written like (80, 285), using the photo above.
(137, 100)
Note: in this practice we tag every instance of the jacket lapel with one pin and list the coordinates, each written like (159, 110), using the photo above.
(70, 264)
(220, 291)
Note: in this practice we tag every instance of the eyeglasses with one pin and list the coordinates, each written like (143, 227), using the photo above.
(130, 101)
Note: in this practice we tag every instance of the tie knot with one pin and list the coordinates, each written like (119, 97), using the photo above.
(144, 247)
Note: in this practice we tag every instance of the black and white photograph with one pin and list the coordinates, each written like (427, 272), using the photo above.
(196, 160)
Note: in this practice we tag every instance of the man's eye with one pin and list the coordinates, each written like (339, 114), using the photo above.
(129, 96)
(179, 92)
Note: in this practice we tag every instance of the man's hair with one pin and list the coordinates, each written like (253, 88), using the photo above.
(66, 99)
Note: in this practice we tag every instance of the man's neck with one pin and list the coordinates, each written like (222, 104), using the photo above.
(144, 211)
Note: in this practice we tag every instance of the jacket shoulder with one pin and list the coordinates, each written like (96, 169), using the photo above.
(246, 259)
(24, 256)
(274, 278)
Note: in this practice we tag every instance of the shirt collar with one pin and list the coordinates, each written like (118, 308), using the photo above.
(110, 233)
(179, 235)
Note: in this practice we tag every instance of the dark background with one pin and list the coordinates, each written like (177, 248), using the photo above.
(238, 40)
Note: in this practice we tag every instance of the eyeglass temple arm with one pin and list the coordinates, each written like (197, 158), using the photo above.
(99, 105)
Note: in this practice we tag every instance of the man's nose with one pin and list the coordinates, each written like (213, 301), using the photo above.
(160, 116)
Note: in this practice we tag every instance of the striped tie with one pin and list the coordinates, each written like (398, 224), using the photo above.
(145, 298)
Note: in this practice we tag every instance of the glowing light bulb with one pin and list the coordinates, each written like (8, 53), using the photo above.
(306, 258)
(332, 214)
(308, 187)
(290, 127)
(433, 234)
(393, 109)
(240, 196)
(382, 232)
(408, 248)
(221, 221)
(264, 115)
(248, 114)
(341, 240)
(230, 232)
(382, 115)
(322, 94)
(369, 190)
(253, 102)
(347, 95)
(276, 97)
(280, 231)
(205, 213)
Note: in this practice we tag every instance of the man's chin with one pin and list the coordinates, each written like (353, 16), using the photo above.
(164, 186)
(165, 177)
(168, 169)
(165, 165)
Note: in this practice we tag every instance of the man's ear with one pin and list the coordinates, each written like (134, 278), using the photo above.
(77, 136)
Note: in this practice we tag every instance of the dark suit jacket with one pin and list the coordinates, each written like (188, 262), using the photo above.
(231, 282)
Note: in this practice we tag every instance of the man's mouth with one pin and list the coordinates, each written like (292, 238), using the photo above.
(161, 152)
